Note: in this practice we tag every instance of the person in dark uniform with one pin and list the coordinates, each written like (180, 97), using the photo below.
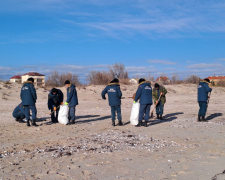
(28, 96)
(114, 97)
(55, 99)
(72, 100)
(19, 113)
(144, 95)
(159, 97)
(203, 91)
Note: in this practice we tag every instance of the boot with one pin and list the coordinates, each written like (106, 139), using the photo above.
(113, 123)
(157, 116)
(28, 123)
(139, 124)
(17, 119)
(161, 118)
(146, 124)
(203, 118)
(21, 121)
(72, 122)
(199, 118)
(34, 123)
(120, 123)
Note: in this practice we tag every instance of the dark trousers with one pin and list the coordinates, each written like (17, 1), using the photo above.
(54, 117)
(72, 110)
(27, 112)
(19, 115)
(115, 109)
(202, 108)
(144, 112)
(159, 108)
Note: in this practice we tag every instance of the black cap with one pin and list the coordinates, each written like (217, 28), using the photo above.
(156, 85)
(141, 80)
(206, 79)
(67, 82)
(115, 80)
(30, 79)
(54, 90)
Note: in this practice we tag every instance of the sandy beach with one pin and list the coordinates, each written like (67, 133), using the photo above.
(177, 148)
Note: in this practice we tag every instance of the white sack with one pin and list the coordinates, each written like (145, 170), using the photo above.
(63, 113)
(134, 113)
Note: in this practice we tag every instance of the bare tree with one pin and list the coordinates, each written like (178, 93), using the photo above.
(99, 78)
(175, 78)
(193, 79)
(118, 71)
(150, 77)
(56, 79)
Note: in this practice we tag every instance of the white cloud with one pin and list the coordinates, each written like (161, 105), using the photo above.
(161, 61)
(204, 66)
(220, 59)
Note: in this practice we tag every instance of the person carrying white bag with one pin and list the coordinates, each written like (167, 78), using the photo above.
(134, 113)
(144, 95)
(63, 115)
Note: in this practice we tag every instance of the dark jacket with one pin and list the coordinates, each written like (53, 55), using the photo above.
(144, 93)
(114, 94)
(28, 94)
(54, 100)
(19, 109)
(72, 95)
(156, 93)
(203, 90)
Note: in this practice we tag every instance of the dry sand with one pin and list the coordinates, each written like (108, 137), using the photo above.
(175, 148)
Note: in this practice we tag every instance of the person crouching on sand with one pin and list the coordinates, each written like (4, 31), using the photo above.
(114, 96)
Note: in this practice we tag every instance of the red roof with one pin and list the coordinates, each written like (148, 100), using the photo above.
(216, 77)
(33, 74)
(16, 77)
(162, 78)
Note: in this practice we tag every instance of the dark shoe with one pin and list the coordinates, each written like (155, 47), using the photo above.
(72, 122)
(203, 118)
(17, 119)
(146, 124)
(157, 116)
(161, 118)
(120, 123)
(113, 123)
(21, 121)
(139, 124)
(28, 123)
(199, 119)
(34, 123)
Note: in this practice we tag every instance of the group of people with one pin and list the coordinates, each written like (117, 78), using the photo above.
(144, 94)
(55, 99)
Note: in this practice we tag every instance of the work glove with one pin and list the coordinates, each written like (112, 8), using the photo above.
(134, 102)
(61, 103)
(66, 103)
(54, 108)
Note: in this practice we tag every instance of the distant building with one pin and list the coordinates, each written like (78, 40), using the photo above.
(15, 79)
(133, 81)
(216, 79)
(39, 79)
(163, 80)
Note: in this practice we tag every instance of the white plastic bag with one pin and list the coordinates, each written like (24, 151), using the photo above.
(134, 113)
(63, 113)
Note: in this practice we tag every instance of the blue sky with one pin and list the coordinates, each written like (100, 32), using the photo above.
(168, 36)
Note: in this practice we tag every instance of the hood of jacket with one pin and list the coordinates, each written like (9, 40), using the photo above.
(28, 82)
(145, 82)
(203, 81)
(110, 84)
